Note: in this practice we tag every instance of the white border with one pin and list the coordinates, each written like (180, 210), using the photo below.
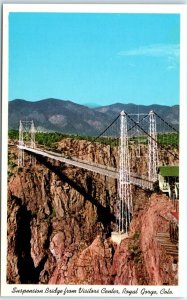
(96, 8)
(181, 9)
(183, 154)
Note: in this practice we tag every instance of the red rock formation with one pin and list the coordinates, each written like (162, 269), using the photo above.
(59, 219)
(91, 266)
(141, 258)
(138, 260)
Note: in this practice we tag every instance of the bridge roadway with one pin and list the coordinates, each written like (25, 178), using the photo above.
(90, 166)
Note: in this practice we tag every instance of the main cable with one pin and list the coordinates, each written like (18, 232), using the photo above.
(174, 155)
(97, 137)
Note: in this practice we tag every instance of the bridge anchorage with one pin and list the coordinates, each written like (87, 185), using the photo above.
(129, 171)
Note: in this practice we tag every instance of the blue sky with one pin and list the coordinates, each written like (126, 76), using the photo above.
(94, 58)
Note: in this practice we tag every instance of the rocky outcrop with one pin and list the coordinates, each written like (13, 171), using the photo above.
(138, 260)
(90, 266)
(141, 258)
(50, 201)
(60, 219)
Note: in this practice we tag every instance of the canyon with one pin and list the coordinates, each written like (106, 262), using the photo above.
(60, 220)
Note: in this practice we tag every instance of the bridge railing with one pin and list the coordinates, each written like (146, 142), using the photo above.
(145, 184)
(98, 168)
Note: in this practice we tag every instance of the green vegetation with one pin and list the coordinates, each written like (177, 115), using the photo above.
(51, 216)
(164, 139)
(43, 138)
(168, 139)
(171, 171)
(136, 236)
(33, 214)
(48, 139)
(138, 140)
(10, 174)
(11, 165)
(13, 134)
(134, 248)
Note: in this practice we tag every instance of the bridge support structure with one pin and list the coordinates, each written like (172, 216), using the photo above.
(152, 148)
(124, 197)
(26, 136)
(21, 143)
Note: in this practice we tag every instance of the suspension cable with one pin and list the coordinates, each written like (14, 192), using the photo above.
(136, 123)
(97, 137)
(166, 122)
(174, 155)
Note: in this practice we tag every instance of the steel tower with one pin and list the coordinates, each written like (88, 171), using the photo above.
(125, 208)
(26, 136)
(152, 148)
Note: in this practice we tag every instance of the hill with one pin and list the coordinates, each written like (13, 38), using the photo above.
(169, 113)
(71, 118)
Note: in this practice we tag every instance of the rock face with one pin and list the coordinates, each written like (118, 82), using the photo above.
(59, 224)
(141, 258)
(91, 266)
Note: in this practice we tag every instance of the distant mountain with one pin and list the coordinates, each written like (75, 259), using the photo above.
(169, 113)
(69, 117)
(57, 115)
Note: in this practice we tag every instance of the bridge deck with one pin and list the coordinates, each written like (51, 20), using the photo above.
(97, 168)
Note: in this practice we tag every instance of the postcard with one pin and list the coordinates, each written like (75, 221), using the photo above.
(94, 150)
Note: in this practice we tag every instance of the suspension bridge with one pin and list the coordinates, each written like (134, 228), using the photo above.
(138, 139)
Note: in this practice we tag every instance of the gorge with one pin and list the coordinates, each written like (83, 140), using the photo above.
(60, 220)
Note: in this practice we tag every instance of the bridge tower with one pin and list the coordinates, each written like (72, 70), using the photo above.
(124, 186)
(21, 143)
(152, 148)
(32, 131)
(124, 195)
(26, 135)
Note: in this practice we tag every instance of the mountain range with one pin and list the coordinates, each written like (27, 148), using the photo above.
(69, 117)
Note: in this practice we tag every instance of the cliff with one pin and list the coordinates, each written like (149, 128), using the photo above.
(60, 219)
